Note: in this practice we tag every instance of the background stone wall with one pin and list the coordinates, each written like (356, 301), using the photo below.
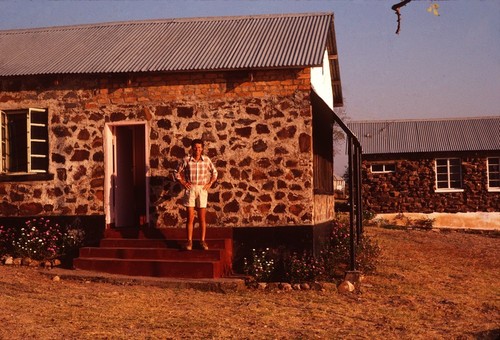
(411, 188)
(257, 127)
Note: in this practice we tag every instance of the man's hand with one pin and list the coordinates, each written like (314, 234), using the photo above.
(207, 186)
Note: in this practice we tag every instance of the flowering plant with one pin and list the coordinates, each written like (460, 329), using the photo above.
(304, 267)
(261, 265)
(334, 258)
(40, 239)
(7, 236)
(299, 267)
(73, 236)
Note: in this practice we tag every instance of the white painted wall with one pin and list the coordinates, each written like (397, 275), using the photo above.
(321, 81)
(470, 220)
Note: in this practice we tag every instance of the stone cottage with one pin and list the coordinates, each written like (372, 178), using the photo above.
(446, 169)
(94, 119)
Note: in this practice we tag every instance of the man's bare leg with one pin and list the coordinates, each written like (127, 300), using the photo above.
(202, 213)
(189, 226)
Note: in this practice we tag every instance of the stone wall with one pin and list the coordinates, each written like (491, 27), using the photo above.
(411, 188)
(257, 127)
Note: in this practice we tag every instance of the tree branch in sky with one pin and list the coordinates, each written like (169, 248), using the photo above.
(433, 8)
(396, 8)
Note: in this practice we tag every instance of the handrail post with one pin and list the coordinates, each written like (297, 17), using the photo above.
(352, 262)
(359, 188)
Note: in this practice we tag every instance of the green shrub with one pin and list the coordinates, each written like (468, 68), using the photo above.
(303, 267)
(298, 267)
(424, 223)
(336, 254)
(368, 217)
(382, 222)
(367, 254)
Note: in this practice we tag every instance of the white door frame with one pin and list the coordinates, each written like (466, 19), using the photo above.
(110, 168)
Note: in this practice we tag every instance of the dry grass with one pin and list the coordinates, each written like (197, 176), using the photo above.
(429, 285)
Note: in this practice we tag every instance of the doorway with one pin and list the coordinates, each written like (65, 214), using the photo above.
(126, 174)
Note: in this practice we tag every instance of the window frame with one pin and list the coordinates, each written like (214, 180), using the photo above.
(449, 174)
(33, 143)
(384, 168)
(488, 172)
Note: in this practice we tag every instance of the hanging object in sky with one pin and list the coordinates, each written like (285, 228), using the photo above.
(433, 8)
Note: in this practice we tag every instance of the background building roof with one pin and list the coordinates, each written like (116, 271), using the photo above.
(434, 135)
(173, 45)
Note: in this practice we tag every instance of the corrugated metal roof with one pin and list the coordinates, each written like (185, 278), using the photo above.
(217, 43)
(434, 135)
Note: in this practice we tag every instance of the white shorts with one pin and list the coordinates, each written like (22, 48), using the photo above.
(196, 197)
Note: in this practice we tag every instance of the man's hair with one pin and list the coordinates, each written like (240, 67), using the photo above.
(197, 141)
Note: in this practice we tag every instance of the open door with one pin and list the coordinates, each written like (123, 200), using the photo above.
(126, 176)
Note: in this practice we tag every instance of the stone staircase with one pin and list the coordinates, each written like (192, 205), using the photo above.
(158, 253)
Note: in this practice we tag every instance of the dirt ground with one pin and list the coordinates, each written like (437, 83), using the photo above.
(429, 285)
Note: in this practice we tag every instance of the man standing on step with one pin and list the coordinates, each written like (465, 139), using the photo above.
(196, 173)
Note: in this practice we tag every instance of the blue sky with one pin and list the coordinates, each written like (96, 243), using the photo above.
(437, 67)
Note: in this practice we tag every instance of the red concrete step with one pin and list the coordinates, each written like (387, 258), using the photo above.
(165, 233)
(155, 268)
(151, 253)
(162, 243)
(144, 251)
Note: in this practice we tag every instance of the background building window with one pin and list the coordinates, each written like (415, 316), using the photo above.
(448, 173)
(24, 141)
(383, 167)
(494, 173)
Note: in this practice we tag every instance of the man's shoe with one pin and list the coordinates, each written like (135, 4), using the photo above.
(189, 245)
(203, 245)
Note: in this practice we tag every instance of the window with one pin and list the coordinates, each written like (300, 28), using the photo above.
(494, 174)
(383, 167)
(448, 174)
(24, 141)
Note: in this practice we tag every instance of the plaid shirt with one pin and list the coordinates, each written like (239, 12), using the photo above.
(199, 172)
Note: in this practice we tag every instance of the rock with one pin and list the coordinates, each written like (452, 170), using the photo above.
(17, 261)
(330, 286)
(305, 286)
(285, 286)
(261, 285)
(296, 286)
(353, 277)
(273, 286)
(9, 261)
(47, 264)
(26, 261)
(346, 287)
(253, 285)
(316, 286)
(249, 279)
(56, 278)
(34, 263)
(56, 263)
